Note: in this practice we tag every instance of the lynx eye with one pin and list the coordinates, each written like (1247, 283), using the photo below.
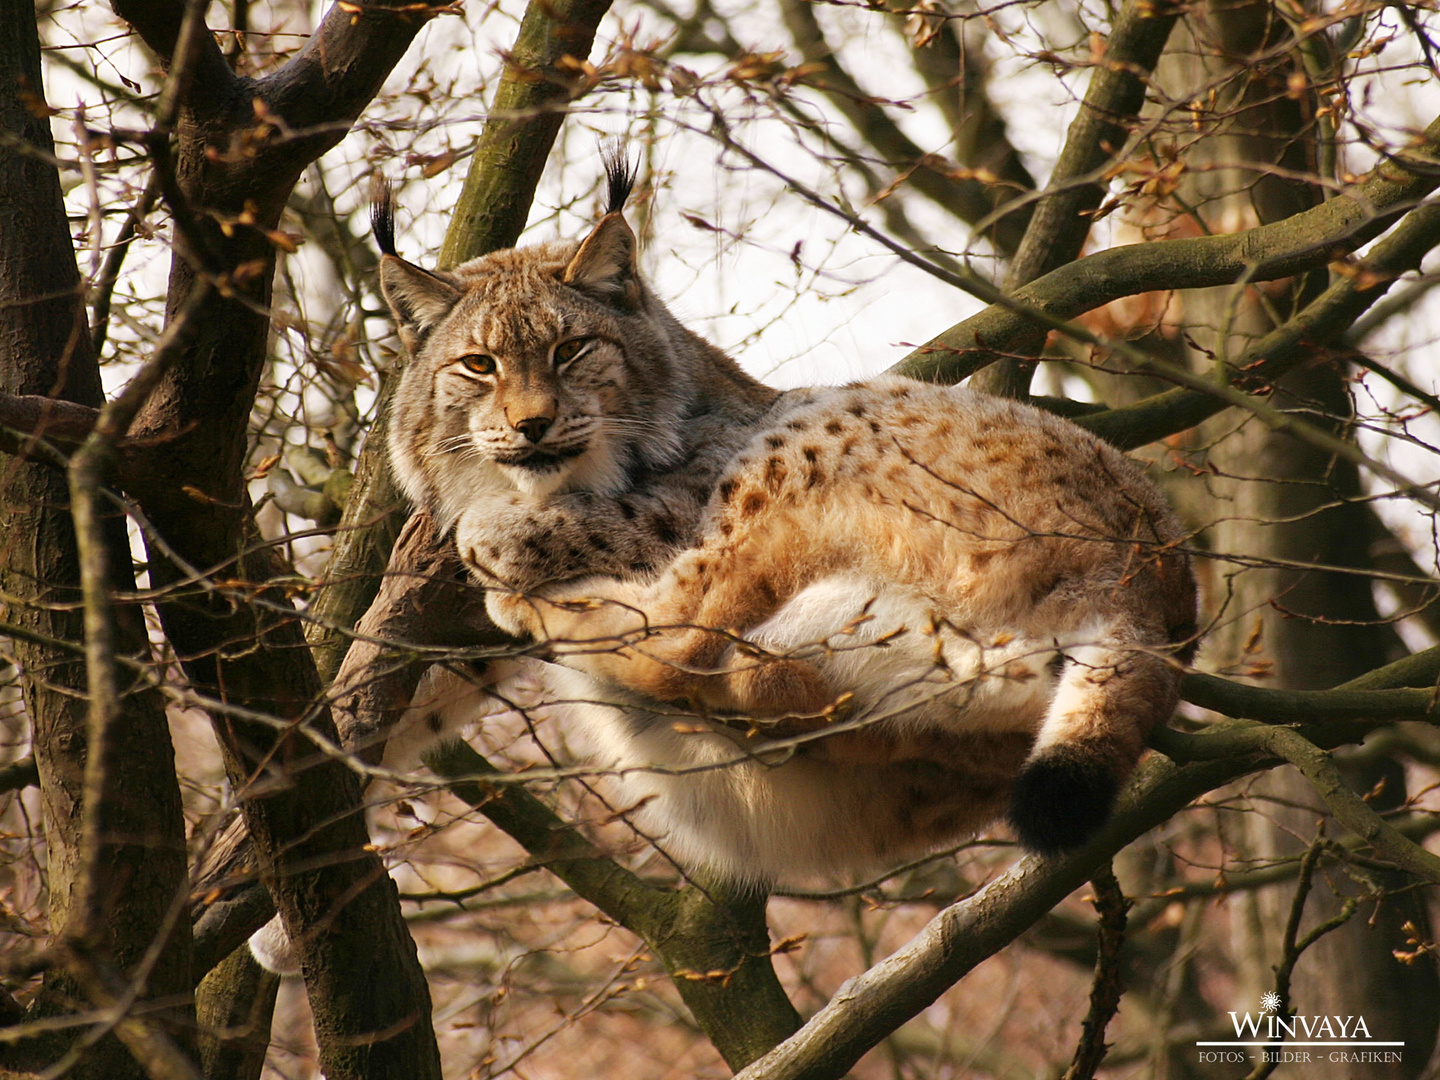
(479, 363)
(569, 350)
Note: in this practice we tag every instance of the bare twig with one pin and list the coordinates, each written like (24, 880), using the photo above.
(110, 273)
(1061, 219)
(1113, 907)
(966, 197)
(87, 472)
(1293, 946)
(19, 774)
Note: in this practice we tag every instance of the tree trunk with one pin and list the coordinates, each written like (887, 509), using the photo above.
(1289, 505)
(45, 349)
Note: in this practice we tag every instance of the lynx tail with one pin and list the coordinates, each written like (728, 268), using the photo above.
(1108, 700)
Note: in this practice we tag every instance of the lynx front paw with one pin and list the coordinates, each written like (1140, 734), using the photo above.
(499, 540)
(515, 613)
(767, 688)
(574, 613)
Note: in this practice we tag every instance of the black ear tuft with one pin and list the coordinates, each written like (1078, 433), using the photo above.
(382, 214)
(619, 174)
(1061, 799)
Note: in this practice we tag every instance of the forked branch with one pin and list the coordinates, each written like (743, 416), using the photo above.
(1303, 242)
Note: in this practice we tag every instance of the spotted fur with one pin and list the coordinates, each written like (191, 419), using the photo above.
(815, 632)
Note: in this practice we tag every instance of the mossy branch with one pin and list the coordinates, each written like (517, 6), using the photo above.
(542, 74)
(1349, 808)
(874, 1004)
(1300, 243)
(1322, 321)
(1061, 221)
(712, 940)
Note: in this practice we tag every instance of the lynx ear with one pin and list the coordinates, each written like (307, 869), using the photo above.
(605, 264)
(418, 298)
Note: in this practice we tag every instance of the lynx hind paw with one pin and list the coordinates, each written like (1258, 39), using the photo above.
(1061, 799)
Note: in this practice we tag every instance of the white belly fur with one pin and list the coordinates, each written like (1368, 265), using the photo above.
(715, 799)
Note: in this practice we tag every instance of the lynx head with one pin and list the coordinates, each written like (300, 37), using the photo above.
(541, 369)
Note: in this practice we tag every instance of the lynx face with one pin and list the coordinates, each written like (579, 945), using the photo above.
(535, 371)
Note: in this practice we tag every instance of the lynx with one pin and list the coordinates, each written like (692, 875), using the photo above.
(814, 632)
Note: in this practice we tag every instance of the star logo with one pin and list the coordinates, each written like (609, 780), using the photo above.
(1270, 1001)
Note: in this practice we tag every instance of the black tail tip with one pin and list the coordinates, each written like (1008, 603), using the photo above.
(1061, 799)
(382, 214)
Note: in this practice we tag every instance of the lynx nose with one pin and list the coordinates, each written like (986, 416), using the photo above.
(533, 428)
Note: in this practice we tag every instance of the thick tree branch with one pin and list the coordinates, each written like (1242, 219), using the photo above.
(1302, 242)
(31, 417)
(134, 832)
(227, 923)
(369, 995)
(320, 92)
(1349, 808)
(1061, 220)
(233, 1009)
(970, 199)
(1318, 323)
(1327, 718)
(161, 24)
(870, 1006)
(1097, 137)
(156, 1051)
(424, 601)
(1305, 706)
(359, 961)
(524, 119)
(711, 939)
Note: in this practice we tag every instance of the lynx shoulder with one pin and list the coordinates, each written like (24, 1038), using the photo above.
(816, 632)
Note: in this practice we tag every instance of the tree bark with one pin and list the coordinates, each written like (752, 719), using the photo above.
(1291, 503)
(240, 144)
(138, 838)
(1061, 220)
